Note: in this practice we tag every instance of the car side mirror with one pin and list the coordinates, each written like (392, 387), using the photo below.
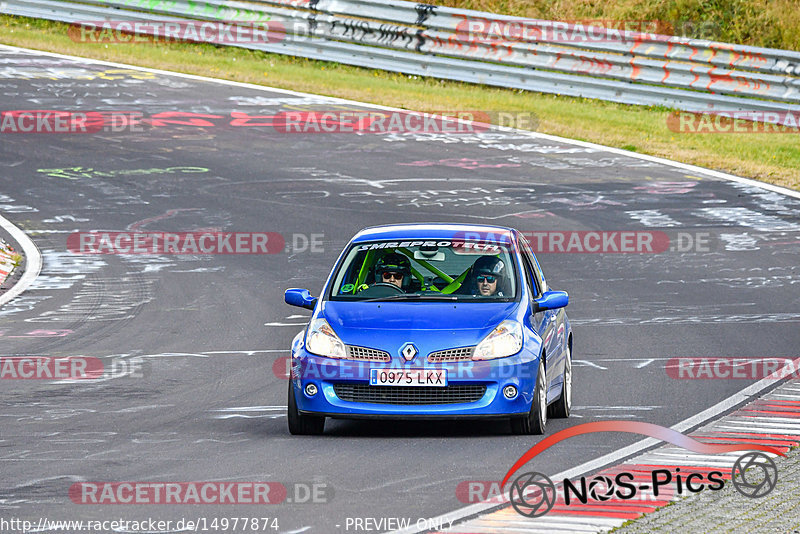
(300, 298)
(551, 300)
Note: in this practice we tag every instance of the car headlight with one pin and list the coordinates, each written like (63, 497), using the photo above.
(505, 340)
(323, 341)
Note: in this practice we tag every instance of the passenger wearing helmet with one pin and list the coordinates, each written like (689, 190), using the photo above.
(489, 274)
(393, 268)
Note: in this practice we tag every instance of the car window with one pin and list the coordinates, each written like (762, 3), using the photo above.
(529, 276)
(532, 263)
(442, 269)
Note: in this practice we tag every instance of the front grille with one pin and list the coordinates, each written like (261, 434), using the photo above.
(409, 395)
(451, 355)
(367, 354)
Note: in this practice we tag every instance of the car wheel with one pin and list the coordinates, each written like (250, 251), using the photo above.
(536, 421)
(563, 405)
(302, 424)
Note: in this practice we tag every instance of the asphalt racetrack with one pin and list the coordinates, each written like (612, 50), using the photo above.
(197, 341)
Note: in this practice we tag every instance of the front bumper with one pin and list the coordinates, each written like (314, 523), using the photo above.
(329, 374)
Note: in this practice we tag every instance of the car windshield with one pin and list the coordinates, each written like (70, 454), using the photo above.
(440, 270)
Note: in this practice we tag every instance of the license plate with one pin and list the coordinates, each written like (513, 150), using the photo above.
(408, 377)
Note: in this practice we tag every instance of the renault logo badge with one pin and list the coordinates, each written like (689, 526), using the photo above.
(408, 352)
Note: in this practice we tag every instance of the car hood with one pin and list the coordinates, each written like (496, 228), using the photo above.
(432, 325)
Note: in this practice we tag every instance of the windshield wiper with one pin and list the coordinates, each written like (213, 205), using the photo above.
(413, 296)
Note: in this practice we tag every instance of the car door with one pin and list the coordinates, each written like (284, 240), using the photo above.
(545, 322)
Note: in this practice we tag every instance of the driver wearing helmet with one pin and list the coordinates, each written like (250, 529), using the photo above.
(393, 268)
(489, 275)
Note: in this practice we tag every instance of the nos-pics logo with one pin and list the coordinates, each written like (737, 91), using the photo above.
(534, 494)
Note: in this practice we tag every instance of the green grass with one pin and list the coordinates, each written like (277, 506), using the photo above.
(773, 158)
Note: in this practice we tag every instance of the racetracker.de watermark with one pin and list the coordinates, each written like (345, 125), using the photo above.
(603, 242)
(208, 492)
(198, 242)
(37, 121)
(70, 368)
(399, 122)
(438, 374)
(754, 368)
(50, 368)
(735, 122)
(170, 31)
(584, 31)
(596, 241)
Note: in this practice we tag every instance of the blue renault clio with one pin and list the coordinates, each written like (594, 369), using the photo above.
(430, 321)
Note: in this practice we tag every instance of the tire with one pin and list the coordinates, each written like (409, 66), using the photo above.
(561, 408)
(536, 421)
(302, 425)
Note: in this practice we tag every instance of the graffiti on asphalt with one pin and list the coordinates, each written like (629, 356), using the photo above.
(76, 173)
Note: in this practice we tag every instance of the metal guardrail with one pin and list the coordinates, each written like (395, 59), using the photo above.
(545, 56)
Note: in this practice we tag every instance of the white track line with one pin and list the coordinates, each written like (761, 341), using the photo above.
(33, 260)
